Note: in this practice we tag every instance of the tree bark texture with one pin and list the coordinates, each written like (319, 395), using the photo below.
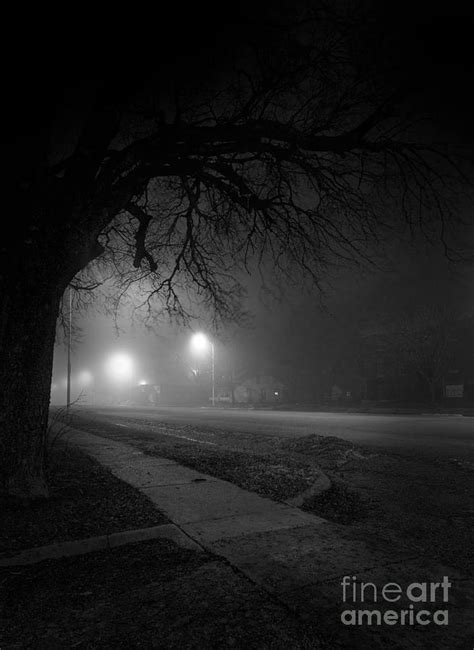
(28, 323)
(32, 280)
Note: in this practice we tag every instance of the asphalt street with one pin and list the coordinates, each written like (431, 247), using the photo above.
(443, 436)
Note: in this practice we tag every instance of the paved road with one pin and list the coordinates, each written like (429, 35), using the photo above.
(438, 435)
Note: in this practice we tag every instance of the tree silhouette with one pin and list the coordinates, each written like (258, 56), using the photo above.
(424, 341)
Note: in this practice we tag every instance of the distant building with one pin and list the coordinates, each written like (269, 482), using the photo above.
(260, 389)
(184, 394)
(146, 394)
(386, 376)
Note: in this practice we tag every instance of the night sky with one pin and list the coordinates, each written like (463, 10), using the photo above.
(423, 46)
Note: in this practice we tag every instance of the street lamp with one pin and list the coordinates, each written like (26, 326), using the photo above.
(120, 368)
(201, 343)
(69, 338)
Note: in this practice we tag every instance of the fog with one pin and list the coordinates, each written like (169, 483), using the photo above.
(295, 334)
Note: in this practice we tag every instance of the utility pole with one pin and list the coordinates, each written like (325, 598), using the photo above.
(201, 342)
(69, 338)
(213, 376)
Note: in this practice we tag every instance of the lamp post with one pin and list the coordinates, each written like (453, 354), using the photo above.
(69, 338)
(201, 342)
(213, 374)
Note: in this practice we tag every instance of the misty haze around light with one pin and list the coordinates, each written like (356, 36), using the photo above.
(285, 329)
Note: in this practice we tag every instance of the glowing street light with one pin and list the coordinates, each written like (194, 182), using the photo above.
(201, 343)
(120, 367)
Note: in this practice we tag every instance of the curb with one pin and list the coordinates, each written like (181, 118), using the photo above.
(322, 484)
(100, 543)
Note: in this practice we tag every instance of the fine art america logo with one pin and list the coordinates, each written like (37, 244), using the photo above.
(424, 603)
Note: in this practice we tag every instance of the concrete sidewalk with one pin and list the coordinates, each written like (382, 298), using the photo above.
(297, 558)
(207, 509)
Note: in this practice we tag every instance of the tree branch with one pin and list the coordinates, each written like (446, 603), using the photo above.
(141, 251)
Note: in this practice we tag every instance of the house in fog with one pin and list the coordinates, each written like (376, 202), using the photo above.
(434, 363)
(259, 389)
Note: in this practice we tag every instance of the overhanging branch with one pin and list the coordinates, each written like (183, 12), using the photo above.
(141, 251)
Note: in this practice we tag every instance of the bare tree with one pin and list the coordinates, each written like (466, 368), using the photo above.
(296, 152)
(419, 340)
(424, 341)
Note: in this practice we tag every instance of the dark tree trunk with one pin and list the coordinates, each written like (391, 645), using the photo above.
(28, 324)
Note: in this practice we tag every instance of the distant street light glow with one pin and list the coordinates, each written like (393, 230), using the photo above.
(201, 343)
(120, 367)
(85, 378)
(142, 382)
